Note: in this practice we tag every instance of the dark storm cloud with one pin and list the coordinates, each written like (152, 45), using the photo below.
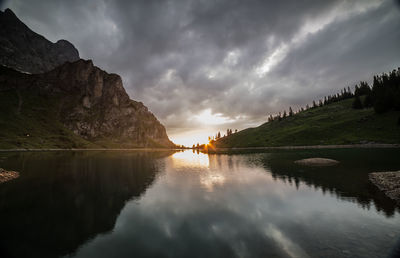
(181, 57)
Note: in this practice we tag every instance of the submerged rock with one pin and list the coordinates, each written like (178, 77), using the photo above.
(317, 162)
(7, 175)
(388, 183)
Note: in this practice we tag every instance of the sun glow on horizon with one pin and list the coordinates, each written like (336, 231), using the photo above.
(207, 124)
(208, 118)
(190, 137)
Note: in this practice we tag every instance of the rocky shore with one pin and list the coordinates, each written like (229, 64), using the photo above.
(387, 182)
(7, 175)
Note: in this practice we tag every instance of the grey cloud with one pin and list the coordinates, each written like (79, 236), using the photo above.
(344, 53)
(174, 55)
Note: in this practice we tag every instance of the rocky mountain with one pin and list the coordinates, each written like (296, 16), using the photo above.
(74, 105)
(87, 101)
(27, 51)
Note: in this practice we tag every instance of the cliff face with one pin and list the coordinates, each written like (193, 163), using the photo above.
(25, 50)
(56, 99)
(91, 103)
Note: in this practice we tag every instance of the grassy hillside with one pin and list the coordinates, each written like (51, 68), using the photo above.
(30, 121)
(336, 123)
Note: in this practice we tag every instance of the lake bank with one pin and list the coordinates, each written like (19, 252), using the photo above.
(100, 149)
(346, 146)
(387, 182)
(304, 147)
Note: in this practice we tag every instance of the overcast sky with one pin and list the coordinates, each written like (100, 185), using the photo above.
(205, 65)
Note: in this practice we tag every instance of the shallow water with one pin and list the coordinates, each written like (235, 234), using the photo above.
(185, 204)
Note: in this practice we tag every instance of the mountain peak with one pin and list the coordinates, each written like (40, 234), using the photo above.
(25, 50)
(88, 102)
(9, 12)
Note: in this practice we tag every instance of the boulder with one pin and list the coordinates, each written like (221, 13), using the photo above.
(7, 175)
(317, 162)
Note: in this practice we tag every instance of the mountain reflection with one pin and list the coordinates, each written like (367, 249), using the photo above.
(63, 199)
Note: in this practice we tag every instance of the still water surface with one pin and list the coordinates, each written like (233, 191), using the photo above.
(185, 204)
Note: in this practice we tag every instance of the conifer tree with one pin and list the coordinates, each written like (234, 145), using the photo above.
(357, 103)
(290, 111)
(368, 102)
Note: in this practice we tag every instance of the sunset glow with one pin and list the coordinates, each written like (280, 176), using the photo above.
(208, 118)
(190, 137)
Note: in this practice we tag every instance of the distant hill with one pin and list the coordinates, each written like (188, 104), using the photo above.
(335, 123)
(27, 51)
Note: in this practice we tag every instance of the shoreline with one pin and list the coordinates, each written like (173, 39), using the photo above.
(334, 146)
(388, 183)
(344, 146)
(78, 149)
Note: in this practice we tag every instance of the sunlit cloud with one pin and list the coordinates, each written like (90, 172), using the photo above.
(206, 117)
(189, 136)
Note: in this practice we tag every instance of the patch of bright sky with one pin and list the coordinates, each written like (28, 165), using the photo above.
(206, 117)
(190, 136)
(208, 124)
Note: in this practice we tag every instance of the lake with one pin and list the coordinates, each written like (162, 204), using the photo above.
(189, 204)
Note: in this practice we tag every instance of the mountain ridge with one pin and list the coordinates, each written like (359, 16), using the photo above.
(25, 50)
(53, 99)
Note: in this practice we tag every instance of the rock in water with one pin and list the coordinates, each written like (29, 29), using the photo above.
(7, 175)
(27, 51)
(387, 182)
(317, 162)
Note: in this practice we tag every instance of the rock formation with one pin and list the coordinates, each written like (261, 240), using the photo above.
(91, 103)
(88, 101)
(27, 51)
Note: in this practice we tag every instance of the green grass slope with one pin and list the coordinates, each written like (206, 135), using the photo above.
(30, 121)
(336, 123)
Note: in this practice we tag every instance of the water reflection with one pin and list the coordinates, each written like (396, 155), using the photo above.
(63, 199)
(348, 180)
(197, 205)
(234, 206)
